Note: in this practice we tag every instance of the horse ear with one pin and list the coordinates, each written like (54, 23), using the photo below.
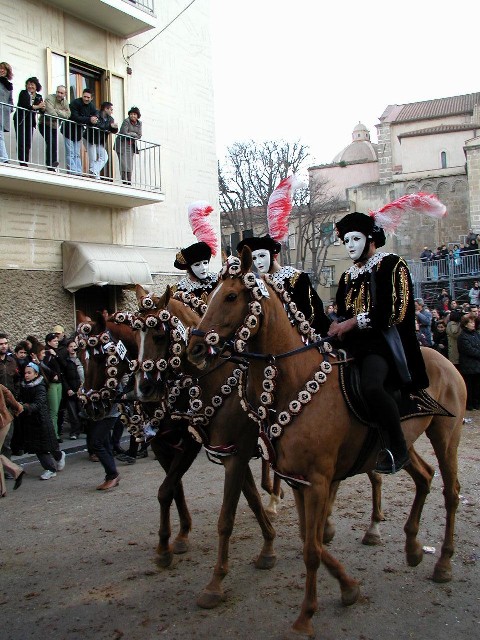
(140, 292)
(246, 259)
(168, 294)
(81, 317)
(163, 300)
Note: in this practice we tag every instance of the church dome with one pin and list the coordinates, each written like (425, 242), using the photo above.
(360, 148)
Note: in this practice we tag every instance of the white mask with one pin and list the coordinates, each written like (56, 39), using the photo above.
(261, 259)
(355, 243)
(200, 269)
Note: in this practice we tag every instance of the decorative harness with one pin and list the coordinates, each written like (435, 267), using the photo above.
(270, 430)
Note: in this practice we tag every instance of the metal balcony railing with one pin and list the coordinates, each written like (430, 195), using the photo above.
(144, 5)
(48, 143)
(454, 274)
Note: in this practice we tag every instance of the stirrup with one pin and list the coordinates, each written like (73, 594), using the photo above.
(394, 466)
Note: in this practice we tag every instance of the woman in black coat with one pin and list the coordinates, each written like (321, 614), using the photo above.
(25, 118)
(468, 343)
(36, 423)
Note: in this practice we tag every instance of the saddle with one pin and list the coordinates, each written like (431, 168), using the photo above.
(413, 404)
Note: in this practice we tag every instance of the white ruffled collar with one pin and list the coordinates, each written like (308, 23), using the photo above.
(283, 273)
(188, 285)
(355, 271)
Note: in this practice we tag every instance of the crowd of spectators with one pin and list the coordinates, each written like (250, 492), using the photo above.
(79, 121)
(39, 407)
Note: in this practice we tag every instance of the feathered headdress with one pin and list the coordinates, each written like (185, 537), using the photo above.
(390, 216)
(280, 206)
(201, 227)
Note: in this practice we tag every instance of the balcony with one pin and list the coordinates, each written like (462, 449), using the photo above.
(125, 18)
(130, 178)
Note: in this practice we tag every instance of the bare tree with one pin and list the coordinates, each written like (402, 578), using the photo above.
(250, 173)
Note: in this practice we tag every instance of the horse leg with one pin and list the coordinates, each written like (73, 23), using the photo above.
(372, 535)
(446, 451)
(274, 490)
(267, 557)
(235, 470)
(422, 474)
(316, 502)
(175, 465)
(329, 528)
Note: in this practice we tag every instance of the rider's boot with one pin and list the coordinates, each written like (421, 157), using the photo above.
(393, 459)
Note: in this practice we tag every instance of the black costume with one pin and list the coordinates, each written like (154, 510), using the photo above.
(183, 260)
(379, 295)
(25, 121)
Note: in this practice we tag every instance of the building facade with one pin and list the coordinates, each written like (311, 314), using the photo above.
(70, 241)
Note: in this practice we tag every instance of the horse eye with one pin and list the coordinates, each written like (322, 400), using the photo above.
(231, 297)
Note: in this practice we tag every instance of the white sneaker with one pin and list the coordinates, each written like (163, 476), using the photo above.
(61, 463)
(46, 475)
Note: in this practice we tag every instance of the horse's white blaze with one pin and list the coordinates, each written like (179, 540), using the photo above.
(141, 348)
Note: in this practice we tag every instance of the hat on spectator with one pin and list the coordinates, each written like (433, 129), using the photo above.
(49, 337)
(33, 366)
(58, 329)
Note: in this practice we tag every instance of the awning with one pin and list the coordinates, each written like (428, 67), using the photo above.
(86, 264)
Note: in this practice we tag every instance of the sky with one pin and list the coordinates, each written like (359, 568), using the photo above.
(310, 70)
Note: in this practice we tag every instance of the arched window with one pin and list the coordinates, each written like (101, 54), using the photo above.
(443, 159)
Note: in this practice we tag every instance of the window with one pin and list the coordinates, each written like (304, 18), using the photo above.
(443, 159)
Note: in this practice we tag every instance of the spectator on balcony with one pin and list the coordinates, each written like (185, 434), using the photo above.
(6, 96)
(95, 139)
(82, 114)
(471, 235)
(126, 143)
(30, 102)
(56, 106)
(473, 253)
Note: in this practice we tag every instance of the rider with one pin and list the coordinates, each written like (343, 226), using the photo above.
(195, 259)
(377, 324)
(198, 281)
(297, 283)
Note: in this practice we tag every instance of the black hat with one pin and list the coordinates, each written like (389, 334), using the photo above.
(364, 224)
(192, 254)
(49, 337)
(263, 242)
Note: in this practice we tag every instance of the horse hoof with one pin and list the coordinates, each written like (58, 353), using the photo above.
(305, 630)
(440, 574)
(350, 595)
(414, 558)
(371, 539)
(164, 559)
(265, 562)
(270, 513)
(328, 534)
(210, 600)
(180, 546)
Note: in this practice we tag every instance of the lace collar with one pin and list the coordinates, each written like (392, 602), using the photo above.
(355, 271)
(284, 273)
(188, 285)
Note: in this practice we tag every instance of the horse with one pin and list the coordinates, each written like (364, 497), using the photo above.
(161, 378)
(104, 345)
(317, 453)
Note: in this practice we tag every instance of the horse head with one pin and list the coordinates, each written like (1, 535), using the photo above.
(233, 313)
(161, 332)
(106, 349)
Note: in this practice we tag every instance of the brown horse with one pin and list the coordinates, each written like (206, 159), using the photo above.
(160, 324)
(106, 348)
(317, 439)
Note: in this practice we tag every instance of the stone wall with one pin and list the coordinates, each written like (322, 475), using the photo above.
(33, 302)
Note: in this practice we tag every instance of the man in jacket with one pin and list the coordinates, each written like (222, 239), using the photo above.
(56, 105)
(82, 114)
(10, 378)
(95, 139)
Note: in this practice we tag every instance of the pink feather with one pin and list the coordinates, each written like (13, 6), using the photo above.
(201, 227)
(280, 206)
(390, 216)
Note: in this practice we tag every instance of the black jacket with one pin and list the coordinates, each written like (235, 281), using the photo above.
(98, 134)
(468, 344)
(28, 117)
(35, 422)
(80, 114)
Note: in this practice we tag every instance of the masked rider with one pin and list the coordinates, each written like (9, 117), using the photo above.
(265, 252)
(377, 325)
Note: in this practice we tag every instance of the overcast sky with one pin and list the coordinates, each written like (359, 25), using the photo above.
(311, 70)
